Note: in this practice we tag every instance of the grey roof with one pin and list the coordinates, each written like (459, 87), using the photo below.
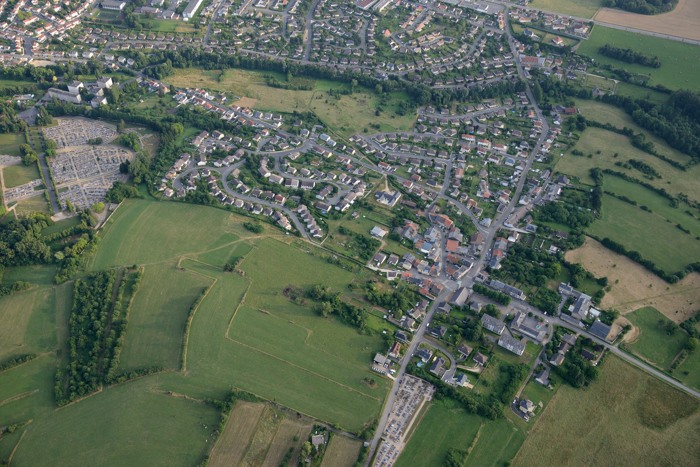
(600, 330)
(512, 344)
(492, 324)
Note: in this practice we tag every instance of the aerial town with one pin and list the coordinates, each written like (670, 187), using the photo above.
(372, 232)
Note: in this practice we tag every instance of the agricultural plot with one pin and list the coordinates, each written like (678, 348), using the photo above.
(683, 21)
(642, 231)
(675, 56)
(341, 452)
(27, 322)
(159, 310)
(171, 430)
(498, 442)
(654, 343)
(347, 114)
(624, 418)
(233, 443)
(583, 8)
(633, 287)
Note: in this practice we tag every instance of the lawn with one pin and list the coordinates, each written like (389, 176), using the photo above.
(10, 143)
(608, 143)
(679, 61)
(582, 8)
(129, 424)
(654, 344)
(346, 114)
(644, 232)
(157, 317)
(15, 175)
(34, 204)
(624, 418)
(341, 452)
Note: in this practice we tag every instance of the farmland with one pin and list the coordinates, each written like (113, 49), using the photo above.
(584, 8)
(633, 287)
(632, 419)
(346, 114)
(341, 452)
(445, 427)
(682, 21)
(675, 56)
(654, 342)
(641, 231)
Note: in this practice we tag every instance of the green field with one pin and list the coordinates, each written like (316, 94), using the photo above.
(10, 143)
(641, 231)
(15, 175)
(446, 426)
(34, 204)
(624, 418)
(679, 61)
(130, 424)
(28, 319)
(347, 114)
(608, 143)
(654, 343)
(582, 8)
(157, 317)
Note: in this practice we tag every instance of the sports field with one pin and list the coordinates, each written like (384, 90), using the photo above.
(623, 418)
(679, 61)
(683, 21)
(633, 287)
(347, 114)
(642, 231)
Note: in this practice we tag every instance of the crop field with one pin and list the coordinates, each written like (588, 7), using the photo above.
(641, 231)
(146, 427)
(679, 60)
(10, 142)
(347, 114)
(682, 21)
(15, 175)
(498, 442)
(341, 452)
(633, 287)
(240, 428)
(624, 418)
(583, 8)
(608, 143)
(157, 318)
(653, 342)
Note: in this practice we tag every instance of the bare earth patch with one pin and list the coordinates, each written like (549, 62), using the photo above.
(682, 21)
(634, 287)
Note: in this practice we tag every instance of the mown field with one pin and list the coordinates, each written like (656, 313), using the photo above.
(624, 418)
(676, 71)
(15, 175)
(583, 8)
(10, 142)
(346, 114)
(341, 452)
(654, 342)
(446, 426)
(641, 231)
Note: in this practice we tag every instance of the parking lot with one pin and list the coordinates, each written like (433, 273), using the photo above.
(413, 394)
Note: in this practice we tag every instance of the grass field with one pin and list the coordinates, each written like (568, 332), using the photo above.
(15, 175)
(633, 287)
(608, 143)
(679, 61)
(624, 418)
(653, 342)
(130, 424)
(582, 8)
(445, 427)
(10, 143)
(28, 321)
(240, 428)
(34, 204)
(341, 452)
(641, 231)
(347, 114)
(157, 317)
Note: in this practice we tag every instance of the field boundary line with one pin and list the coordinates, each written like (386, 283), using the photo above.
(188, 324)
(17, 397)
(238, 307)
(12, 454)
(302, 368)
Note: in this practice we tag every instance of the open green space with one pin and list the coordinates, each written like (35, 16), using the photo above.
(345, 114)
(602, 145)
(642, 231)
(36, 203)
(676, 71)
(157, 316)
(624, 418)
(28, 320)
(582, 8)
(10, 142)
(689, 370)
(499, 441)
(15, 175)
(655, 343)
(129, 424)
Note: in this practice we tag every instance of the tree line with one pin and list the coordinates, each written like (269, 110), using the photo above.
(644, 7)
(630, 56)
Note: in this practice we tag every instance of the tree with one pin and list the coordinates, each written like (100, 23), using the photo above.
(305, 452)
(28, 154)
